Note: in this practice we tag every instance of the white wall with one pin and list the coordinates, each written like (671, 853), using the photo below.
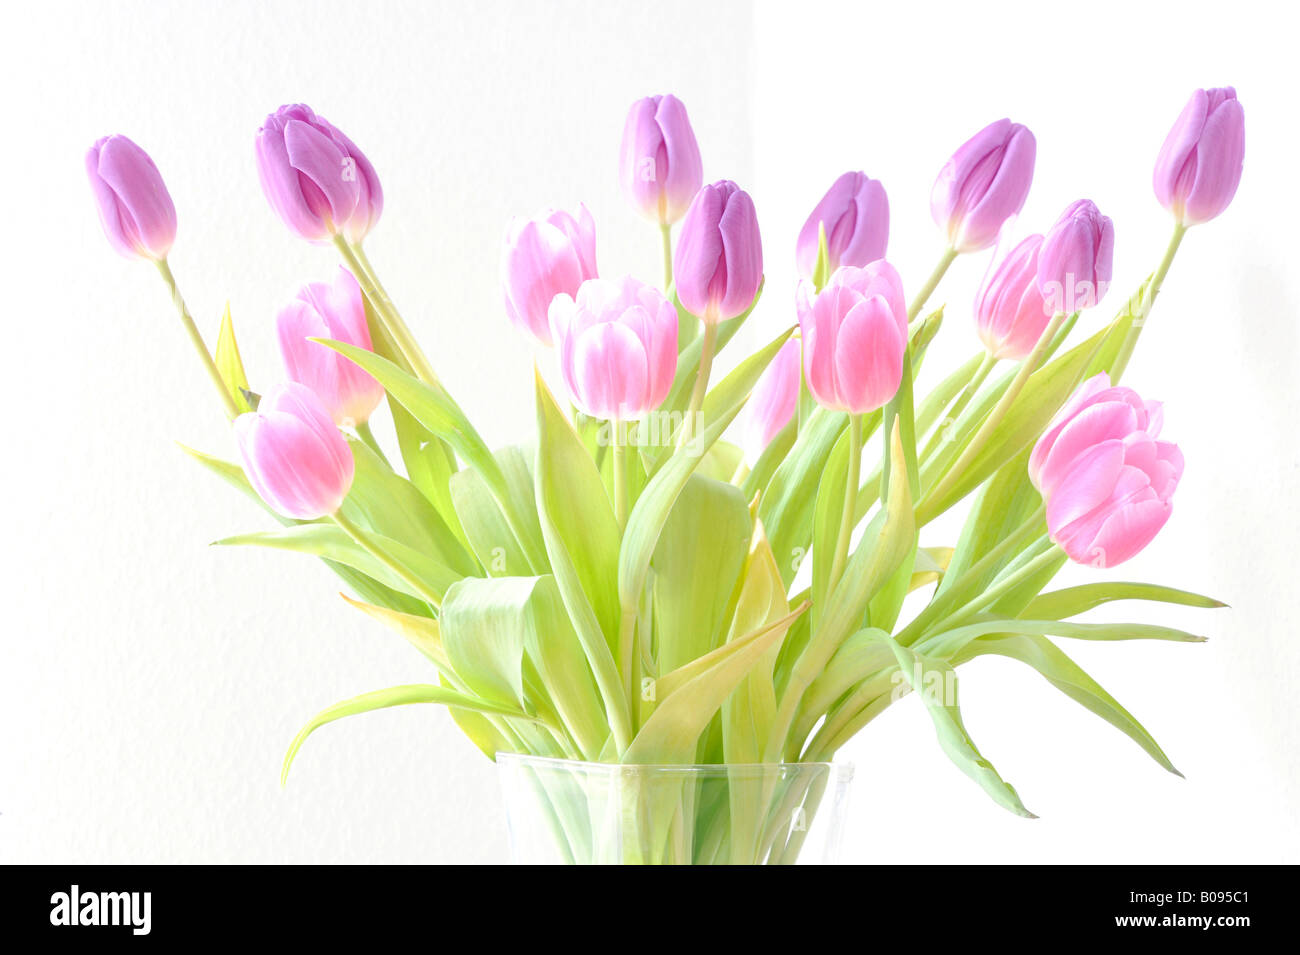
(149, 685)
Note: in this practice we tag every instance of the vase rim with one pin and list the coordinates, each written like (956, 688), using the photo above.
(844, 770)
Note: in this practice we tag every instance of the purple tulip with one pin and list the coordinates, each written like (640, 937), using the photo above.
(134, 206)
(718, 263)
(547, 256)
(985, 182)
(659, 164)
(1199, 166)
(315, 178)
(855, 214)
(294, 456)
(1074, 264)
(337, 311)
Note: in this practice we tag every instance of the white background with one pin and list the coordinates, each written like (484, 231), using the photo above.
(149, 684)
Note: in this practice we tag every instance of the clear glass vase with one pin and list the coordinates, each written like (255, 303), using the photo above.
(564, 812)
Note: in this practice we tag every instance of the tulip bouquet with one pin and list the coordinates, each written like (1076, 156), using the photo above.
(632, 591)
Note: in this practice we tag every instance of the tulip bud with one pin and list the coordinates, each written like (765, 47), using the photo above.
(1107, 481)
(134, 207)
(854, 337)
(294, 456)
(1199, 166)
(336, 312)
(773, 402)
(544, 257)
(659, 165)
(1010, 313)
(315, 178)
(617, 344)
(1074, 263)
(718, 263)
(855, 215)
(985, 182)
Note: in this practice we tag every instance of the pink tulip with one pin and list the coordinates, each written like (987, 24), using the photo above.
(855, 215)
(718, 263)
(134, 206)
(854, 337)
(1199, 166)
(772, 403)
(1107, 481)
(617, 343)
(315, 178)
(985, 182)
(1075, 261)
(1010, 313)
(336, 312)
(659, 165)
(294, 456)
(547, 256)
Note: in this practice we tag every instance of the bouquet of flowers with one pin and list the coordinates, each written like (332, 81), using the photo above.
(631, 594)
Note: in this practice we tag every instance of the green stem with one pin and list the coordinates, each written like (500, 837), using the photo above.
(943, 599)
(368, 436)
(972, 449)
(945, 425)
(398, 568)
(384, 308)
(666, 231)
(849, 512)
(1149, 300)
(187, 320)
(1000, 588)
(926, 290)
(620, 475)
(701, 380)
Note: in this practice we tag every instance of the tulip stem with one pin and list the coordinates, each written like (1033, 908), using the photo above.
(368, 436)
(943, 433)
(357, 263)
(923, 296)
(968, 454)
(398, 568)
(666, 230)
(1000, 588)
(187, 320)
(1148, 301)
(701, 381)
(842, 539)
(620, 474)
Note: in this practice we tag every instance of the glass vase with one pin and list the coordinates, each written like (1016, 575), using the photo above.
(565, 812)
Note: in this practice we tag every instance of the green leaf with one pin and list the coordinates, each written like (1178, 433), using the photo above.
(582, 542)
(435, 409)
(831, 494)
(688, 359)
(420, 632)
(363, 585)
(486, 527)
(949, 642)
(1071, 601)
(229, 364)
(788, 504)
(708, 526)
(1064, 674)
(391, 506)
(647, 519)
(394, 696)
(484, 626)
(671, 733)
(936, 683)
(331, 542)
